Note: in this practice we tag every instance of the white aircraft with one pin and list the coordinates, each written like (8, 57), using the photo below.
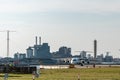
(79, 61)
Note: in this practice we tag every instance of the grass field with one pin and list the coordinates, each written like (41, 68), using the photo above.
(110, 73)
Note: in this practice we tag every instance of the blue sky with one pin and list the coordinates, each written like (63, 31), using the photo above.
(72, 23)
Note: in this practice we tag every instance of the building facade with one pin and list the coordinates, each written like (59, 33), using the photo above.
(29, 52)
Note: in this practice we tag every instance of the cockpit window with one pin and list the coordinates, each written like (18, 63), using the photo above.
(74, 59)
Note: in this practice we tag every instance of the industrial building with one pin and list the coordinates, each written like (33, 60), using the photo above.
(29, 52)
(63, 52)
(41, 51)
(19, 55)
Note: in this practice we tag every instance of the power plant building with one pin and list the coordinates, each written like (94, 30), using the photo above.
(39, 51)
(42, 51)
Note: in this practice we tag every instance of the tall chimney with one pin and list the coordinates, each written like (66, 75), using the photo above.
(36, 40)
(95, 49)
(39, 40)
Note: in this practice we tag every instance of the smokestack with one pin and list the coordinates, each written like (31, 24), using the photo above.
(95, 49)
(36, 40)
(39, 40)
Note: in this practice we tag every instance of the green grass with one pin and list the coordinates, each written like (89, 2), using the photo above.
(112, 73)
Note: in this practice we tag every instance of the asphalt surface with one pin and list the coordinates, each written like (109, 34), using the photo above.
(76, 66)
